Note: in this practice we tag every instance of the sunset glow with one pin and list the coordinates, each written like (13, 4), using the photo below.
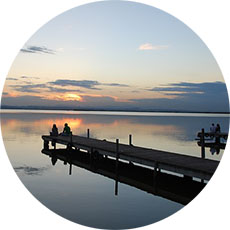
(72, 97)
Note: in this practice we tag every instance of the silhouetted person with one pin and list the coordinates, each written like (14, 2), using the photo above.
(213, 128)
(217, 133)
(217, 128)
(54, 131)
(66, 130)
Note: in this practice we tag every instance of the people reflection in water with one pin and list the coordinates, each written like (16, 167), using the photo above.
(54, 160)
(214, 150)
(66, 130)
(54, 131)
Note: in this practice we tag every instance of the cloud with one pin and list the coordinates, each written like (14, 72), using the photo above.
(200, 102)
(88, 84)
(101, 102)
(29, 88)
(62, 90)
(28, 77)
(83, 83)
(206, 96)
(116, 85)
(36, 88)
(182, 96)
(149, 46)
(38, 50)
(188, 88)
(11, 79)
(28, 100)
(31, 171)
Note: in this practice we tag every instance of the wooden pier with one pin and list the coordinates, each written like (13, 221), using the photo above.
(174, 188)
(187, 166)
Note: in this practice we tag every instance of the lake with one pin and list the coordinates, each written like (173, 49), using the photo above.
(86, 197)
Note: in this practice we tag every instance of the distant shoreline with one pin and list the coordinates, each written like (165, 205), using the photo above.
(107, 110)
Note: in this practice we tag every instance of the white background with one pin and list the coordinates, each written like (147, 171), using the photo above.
(19, 19)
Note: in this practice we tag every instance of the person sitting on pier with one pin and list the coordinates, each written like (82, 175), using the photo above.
(212, 128)
(66, 130)
(54, 131)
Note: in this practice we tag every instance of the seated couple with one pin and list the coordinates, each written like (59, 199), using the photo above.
(66, 131)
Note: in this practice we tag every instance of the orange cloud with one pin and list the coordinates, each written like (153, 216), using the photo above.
(149, 46)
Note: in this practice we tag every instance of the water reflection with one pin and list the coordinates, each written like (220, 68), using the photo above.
(188, 126)
(152, 132)
(171, 187)
(215, 150)
(87, 197)
(31, 171)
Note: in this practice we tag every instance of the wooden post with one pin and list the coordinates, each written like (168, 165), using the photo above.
(116, 187)
(87, 133)
(46, 144)
(70, 168)
(130, 139)
(117, 161)
(71, 138)
(117, 153)
(202, 144)
(54, 144)
(155, 172)
(217, 138)
(91, 156)
(70, 145)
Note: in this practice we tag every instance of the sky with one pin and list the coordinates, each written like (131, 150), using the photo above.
(116, 55)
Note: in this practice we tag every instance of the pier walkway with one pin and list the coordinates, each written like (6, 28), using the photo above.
(160, 160)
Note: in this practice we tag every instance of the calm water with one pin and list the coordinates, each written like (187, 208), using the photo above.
(86, 197)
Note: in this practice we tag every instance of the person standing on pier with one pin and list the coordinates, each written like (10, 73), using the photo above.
(217, 128)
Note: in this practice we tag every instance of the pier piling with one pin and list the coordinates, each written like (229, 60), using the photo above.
(202, 144)
(87, 133)
(46, 144)
(117, 153)
(130, 139)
